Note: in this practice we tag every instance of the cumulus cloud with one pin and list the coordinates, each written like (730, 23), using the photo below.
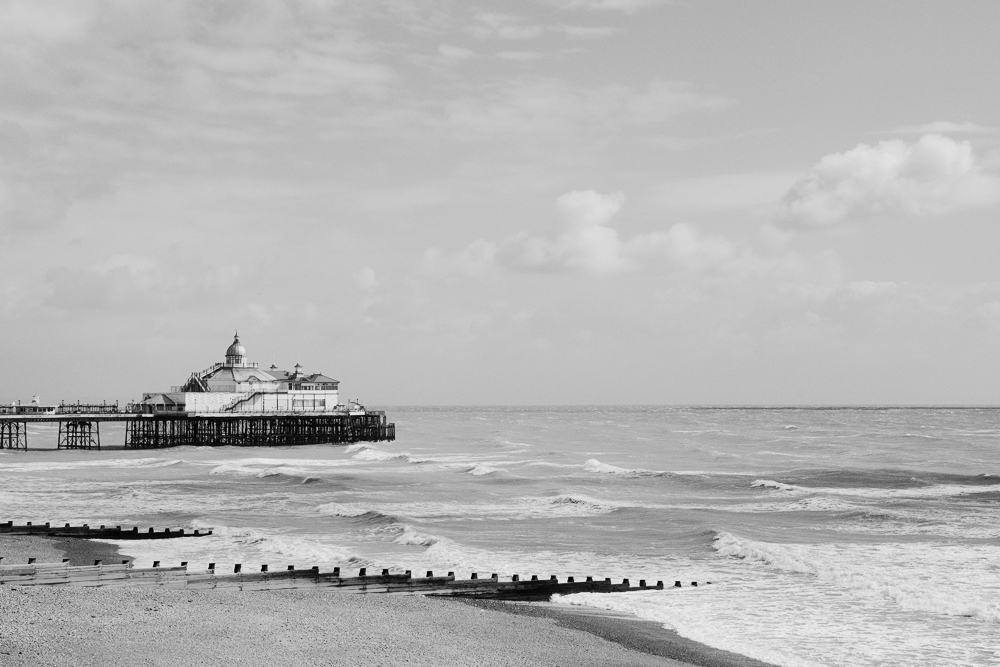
(933, 176)
(587, 243)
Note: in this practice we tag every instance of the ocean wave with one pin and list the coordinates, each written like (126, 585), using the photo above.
(39, 466)
(276, 474)
(593, 465)
(929, 491)
(791, 503)
(771, 484)
(337, 509)
(481, 469)
(410, 535)
(249, 546)
(885, 479)
(371, 454)
(885, 571)
(234, 469)
(582, 501)
(527, 507)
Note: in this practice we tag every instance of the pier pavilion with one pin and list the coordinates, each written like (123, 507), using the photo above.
(237, 385)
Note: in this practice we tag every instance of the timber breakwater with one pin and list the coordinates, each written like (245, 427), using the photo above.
(126, 575)
(87, 532)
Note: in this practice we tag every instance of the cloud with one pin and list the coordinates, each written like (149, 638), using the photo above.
(945, 127)
(478, 258)
(520, 56)
(515, 28)
(127, 283)
(933, 176)
(722, 192)
(43, 22)
(628, 6)
(365, 278)
(553, 109)
(588, 32)
(28, 204)
(505, 26)
(455, 52)
(587, 244)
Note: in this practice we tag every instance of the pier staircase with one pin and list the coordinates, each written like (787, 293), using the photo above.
(233, 405)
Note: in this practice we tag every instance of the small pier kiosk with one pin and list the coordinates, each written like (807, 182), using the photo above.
(233, 402)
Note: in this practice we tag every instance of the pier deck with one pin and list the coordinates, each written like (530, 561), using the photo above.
(246, 429)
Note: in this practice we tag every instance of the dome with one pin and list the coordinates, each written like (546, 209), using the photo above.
(236, 350)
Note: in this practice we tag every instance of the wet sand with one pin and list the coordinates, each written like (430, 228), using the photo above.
(60, 625)
(636, 634)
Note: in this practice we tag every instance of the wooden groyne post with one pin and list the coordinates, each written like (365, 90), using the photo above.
(533, 589)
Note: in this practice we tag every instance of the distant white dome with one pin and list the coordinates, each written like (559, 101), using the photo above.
(236, 354)
(236, 350)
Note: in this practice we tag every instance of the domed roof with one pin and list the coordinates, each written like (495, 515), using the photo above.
(236, 350)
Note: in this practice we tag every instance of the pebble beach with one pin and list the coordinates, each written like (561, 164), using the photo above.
(61, 625)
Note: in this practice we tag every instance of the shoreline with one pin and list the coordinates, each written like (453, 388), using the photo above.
(633, 633)
(17, 549)
(550, 634)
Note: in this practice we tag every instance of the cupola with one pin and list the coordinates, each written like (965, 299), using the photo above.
(236, 354)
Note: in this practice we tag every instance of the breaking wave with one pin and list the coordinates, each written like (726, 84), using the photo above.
(925, 491)
(481, 469)
(336, 509)
(38, 466)
(365, 453)
(593, 465)
(410, 535)
(770, 484)
(883, 571)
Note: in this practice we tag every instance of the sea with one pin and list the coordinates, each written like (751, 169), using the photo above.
(829, 536)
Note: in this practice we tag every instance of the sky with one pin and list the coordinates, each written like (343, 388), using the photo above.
(544, 202)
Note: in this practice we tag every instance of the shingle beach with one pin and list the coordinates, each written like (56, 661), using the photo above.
(154, 626)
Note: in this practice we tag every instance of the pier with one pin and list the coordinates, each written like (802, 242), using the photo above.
(80, 430)
(230, 403)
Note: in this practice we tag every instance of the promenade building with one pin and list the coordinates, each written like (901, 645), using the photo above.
(237, 385)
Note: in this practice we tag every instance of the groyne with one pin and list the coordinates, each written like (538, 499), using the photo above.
(86, 532)
(492, 587)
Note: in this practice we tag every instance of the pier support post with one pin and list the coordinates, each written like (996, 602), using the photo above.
(79, 434)
(13, 435)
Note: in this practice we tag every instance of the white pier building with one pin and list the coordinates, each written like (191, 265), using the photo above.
(239, 386)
